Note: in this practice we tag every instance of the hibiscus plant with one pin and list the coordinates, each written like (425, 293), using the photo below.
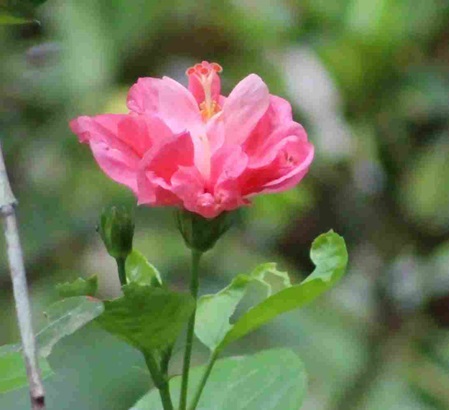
(205, 155)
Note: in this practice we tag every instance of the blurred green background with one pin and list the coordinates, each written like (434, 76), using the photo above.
(370, 81)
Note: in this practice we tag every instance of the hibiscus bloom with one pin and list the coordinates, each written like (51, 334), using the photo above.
(197, 149)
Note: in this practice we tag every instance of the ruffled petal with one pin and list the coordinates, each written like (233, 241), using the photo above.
(115, 156)
(292, 178)
(169, 100)
(115, 164)
(158, 167)
(243, 109)
(291, 163)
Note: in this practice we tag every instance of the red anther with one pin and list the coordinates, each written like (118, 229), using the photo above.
(216, 67)
(190, 71)
(205, 63)
(204, 71)
(198, 67)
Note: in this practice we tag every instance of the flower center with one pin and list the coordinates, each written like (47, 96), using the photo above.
(205, 73)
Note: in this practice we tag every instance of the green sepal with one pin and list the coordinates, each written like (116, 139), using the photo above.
(199, 233)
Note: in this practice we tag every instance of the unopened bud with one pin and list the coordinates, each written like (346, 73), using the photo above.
(117, 231)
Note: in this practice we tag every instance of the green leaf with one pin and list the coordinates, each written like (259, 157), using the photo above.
(214, 311)
(330, 257)
(66, 317)
(80, 287)
(13, 372)
(147, 317)
(269, 380)
(10, 19)
(140, 271)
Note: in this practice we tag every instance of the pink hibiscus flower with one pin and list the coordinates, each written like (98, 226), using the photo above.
(194, 148)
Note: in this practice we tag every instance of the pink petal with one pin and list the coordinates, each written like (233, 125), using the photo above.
(266, 150)
(115, 164)
(294, 176)
(140, 132)
(168, 155)
(276, 123)
(169, 100)
(244, 107)
(293, 157)
(159, 165)
(228, 164)
(116, 157)
(154, 190)
(188, 184)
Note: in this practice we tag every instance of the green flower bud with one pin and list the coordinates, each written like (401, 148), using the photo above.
(117, 231)
(199, 233)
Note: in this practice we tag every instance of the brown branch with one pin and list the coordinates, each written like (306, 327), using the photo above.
(18, 276)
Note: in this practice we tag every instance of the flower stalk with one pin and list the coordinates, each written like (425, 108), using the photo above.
(160, 381)
(203, 381)
(194, 285)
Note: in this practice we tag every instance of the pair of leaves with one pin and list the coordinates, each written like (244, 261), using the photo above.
(330, 257)
(138, 270)
(270, 380)
(148, 316)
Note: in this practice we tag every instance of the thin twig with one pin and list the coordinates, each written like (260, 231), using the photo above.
(18, 276)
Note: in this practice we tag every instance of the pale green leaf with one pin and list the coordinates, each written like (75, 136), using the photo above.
(80, 287)
(13, 372)
(269, 380)
(214, 311)
(147, 317)
(330, 256)
(66, 317)
(139, 270)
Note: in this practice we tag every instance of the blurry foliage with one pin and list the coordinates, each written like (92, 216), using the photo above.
(380, 340)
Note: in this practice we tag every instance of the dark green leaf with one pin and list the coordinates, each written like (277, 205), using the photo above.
(37, 2)
(12, 369)
(140, 271)
(80, 287)
(269, 380)
(330, 256)
(147, 317)
(214, 311)
(66, 317)
(18, 11)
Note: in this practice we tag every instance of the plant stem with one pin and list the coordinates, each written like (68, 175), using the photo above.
(20, 289)
(203, 381)
(160, 381)
(194, 283)
(121, 270)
